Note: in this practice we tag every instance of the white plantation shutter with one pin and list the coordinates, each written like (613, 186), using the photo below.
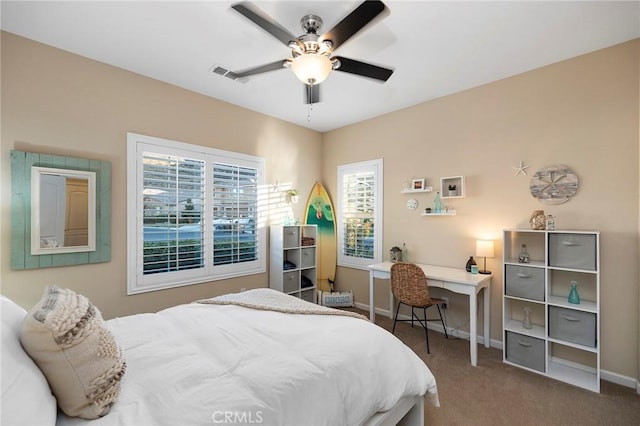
(173, 231)
(192, 214)
(360, 213)
(235, 206)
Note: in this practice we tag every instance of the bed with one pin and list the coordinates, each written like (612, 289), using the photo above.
(236, 360)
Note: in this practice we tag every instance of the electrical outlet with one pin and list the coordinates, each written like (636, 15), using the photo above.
(446, 302)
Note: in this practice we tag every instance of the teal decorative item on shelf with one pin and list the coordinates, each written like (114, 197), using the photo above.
(573, 294)
(437, 203)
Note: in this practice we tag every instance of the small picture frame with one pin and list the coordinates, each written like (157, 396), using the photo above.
(417, 184)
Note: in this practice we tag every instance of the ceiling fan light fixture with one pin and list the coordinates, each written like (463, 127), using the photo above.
(311, 68)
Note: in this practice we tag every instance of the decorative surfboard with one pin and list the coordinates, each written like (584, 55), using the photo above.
(320, 212)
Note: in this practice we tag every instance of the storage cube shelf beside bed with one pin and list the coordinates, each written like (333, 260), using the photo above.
(293, 266)
(564, 339)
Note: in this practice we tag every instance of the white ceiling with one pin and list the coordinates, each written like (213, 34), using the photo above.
(436, 48)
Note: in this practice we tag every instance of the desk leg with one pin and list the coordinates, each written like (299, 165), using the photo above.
(372, 306)
(487, 319)
(473, 328)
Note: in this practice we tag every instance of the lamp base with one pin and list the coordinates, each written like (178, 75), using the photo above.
(484, 271)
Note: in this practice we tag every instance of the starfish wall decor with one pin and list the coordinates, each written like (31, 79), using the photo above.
(521, 169)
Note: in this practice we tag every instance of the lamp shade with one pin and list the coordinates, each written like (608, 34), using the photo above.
(311, 68)
(484, 248)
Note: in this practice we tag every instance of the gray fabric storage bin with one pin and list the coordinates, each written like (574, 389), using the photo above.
(573, 251)
(291, 237)
(307, 295)
(525, 351)
(290, 281)
(308, 257)
(524, 281)
(572, 326)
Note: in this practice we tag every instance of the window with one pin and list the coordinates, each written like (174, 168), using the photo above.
(360, 214)
(193, 214)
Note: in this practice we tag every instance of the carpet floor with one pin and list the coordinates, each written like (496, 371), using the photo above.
(495, 393)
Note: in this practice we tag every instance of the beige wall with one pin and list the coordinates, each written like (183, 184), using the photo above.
(60, 103)
(582, 112)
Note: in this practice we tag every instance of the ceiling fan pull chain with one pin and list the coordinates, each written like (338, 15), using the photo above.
(310, 104)
(310, 108)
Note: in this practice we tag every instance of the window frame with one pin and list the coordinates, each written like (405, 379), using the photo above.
(371, 166)
(137, 281)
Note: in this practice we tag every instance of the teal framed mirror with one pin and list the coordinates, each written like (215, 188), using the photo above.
(48, 231)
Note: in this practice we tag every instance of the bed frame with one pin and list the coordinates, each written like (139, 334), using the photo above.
(409, 411)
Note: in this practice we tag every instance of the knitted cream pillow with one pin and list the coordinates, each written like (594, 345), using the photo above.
(65, 335)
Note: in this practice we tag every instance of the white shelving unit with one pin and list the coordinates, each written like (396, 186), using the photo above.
(293, 263)
(564, 341)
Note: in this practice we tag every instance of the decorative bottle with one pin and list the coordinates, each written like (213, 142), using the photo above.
(573, 294)
(523, 257)
(551, 223)
(470, 262)
(526, 322)
(437, 203)
(405, 255)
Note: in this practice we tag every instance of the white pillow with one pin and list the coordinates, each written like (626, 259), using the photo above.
(26, 397)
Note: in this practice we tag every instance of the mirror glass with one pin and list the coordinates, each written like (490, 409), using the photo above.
(63, 211)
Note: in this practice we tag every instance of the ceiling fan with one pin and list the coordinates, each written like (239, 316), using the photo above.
(312, 59)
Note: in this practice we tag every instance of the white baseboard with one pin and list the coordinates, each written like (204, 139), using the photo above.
(379, 311)
(609, 376)
(436, 326)
(621, 380)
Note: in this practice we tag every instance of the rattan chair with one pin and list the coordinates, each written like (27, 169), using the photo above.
(409, 286)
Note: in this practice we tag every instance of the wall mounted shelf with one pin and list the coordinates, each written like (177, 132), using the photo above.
(447, 213)
(458, 181)
(415, 191)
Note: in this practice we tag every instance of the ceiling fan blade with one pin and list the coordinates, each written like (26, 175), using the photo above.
(363, 69)
(311, 93)
(353, 22)
(273, 66)
(264, 21)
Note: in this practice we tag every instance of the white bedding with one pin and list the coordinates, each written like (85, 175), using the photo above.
(201, 364)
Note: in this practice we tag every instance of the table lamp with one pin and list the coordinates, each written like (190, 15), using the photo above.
(484, 248)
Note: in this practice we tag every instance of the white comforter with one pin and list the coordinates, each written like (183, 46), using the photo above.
(201, 364)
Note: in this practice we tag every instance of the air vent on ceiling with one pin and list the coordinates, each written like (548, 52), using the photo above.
(226, 73)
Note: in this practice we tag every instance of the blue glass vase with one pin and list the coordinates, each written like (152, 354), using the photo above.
(573, 294)
(437, 203)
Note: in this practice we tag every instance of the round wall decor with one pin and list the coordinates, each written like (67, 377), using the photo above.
(412, 204)
(554, 184)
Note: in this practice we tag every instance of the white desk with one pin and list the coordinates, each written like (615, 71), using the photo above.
(452, 279)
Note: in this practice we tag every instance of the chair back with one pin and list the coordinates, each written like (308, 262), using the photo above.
(409, 284)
